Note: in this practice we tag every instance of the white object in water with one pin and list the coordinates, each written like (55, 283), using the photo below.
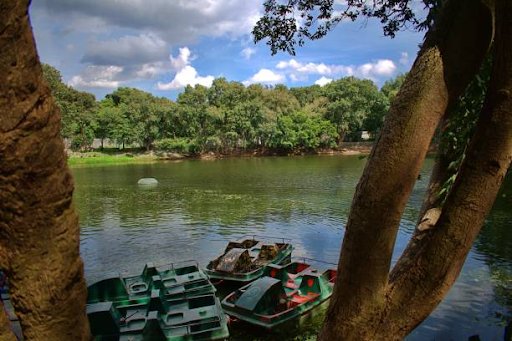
(147, 181)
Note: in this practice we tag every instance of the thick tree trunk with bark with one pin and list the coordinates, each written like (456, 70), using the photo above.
(39, 233)
(451, 55)
(434, 257)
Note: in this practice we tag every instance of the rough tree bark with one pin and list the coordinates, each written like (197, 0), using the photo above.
(434, 257)
(39, 234)
(451, 55)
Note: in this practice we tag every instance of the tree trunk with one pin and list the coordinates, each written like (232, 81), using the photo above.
(433, 259)
(451, 55)
(39, 244)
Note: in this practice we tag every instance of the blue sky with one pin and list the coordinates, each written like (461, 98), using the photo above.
(160, 46)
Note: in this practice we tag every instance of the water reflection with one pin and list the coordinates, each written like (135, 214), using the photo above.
(199, 205)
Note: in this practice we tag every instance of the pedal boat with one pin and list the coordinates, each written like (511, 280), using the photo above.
(159, 319)
(172, 302)
(176, 280)
(244, 260)
(282, 294)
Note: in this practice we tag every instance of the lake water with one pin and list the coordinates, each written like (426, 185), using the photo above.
(198, 206)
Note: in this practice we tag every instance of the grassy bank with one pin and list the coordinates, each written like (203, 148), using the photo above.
(90, 159)
(114, 156)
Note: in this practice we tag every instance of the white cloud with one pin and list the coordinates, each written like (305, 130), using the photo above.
(383, 67)
(404, 59)
(184, 77)
(266, 76)
(300, 71)
(314, 68)
(247, 53)
(186, 74)
(184, 58)
(97, 77)
(292, 63)
(323, 81)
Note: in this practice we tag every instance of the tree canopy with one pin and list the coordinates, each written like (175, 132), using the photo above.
(226, 117)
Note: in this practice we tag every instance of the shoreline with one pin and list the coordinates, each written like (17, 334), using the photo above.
(130, 157)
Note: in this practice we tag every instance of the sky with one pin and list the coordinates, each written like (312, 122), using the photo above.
(160, 46)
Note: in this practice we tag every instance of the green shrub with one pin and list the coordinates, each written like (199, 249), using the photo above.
(212, 144)
(178, 145)
(194, 146)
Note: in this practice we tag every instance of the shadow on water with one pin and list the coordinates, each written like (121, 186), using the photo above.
(198, 206)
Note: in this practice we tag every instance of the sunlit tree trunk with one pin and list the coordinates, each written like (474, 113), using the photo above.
(451, 55)
(39, 233)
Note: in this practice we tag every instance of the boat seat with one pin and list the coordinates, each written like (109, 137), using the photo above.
(292, 276)
(300, 299)
(310, 284)
(250, 243)
(236, 260)
(134, 324)
(290, 284)
(233, 245)
(268, 251)
(138, 287)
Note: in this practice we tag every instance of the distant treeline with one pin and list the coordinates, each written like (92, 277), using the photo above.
(226, 117)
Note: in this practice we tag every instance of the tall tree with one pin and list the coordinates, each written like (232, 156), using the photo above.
(350, 102)
(369, 302)
(392, 86)
(39, 233)
(78, 109)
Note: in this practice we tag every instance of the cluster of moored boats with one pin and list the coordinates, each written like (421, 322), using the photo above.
(178, 301)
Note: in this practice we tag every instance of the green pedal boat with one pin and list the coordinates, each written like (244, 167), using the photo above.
(244, 260)
(283, 293)
(163, 303)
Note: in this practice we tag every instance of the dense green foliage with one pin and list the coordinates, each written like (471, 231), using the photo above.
(226, 117)
(78, 109)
